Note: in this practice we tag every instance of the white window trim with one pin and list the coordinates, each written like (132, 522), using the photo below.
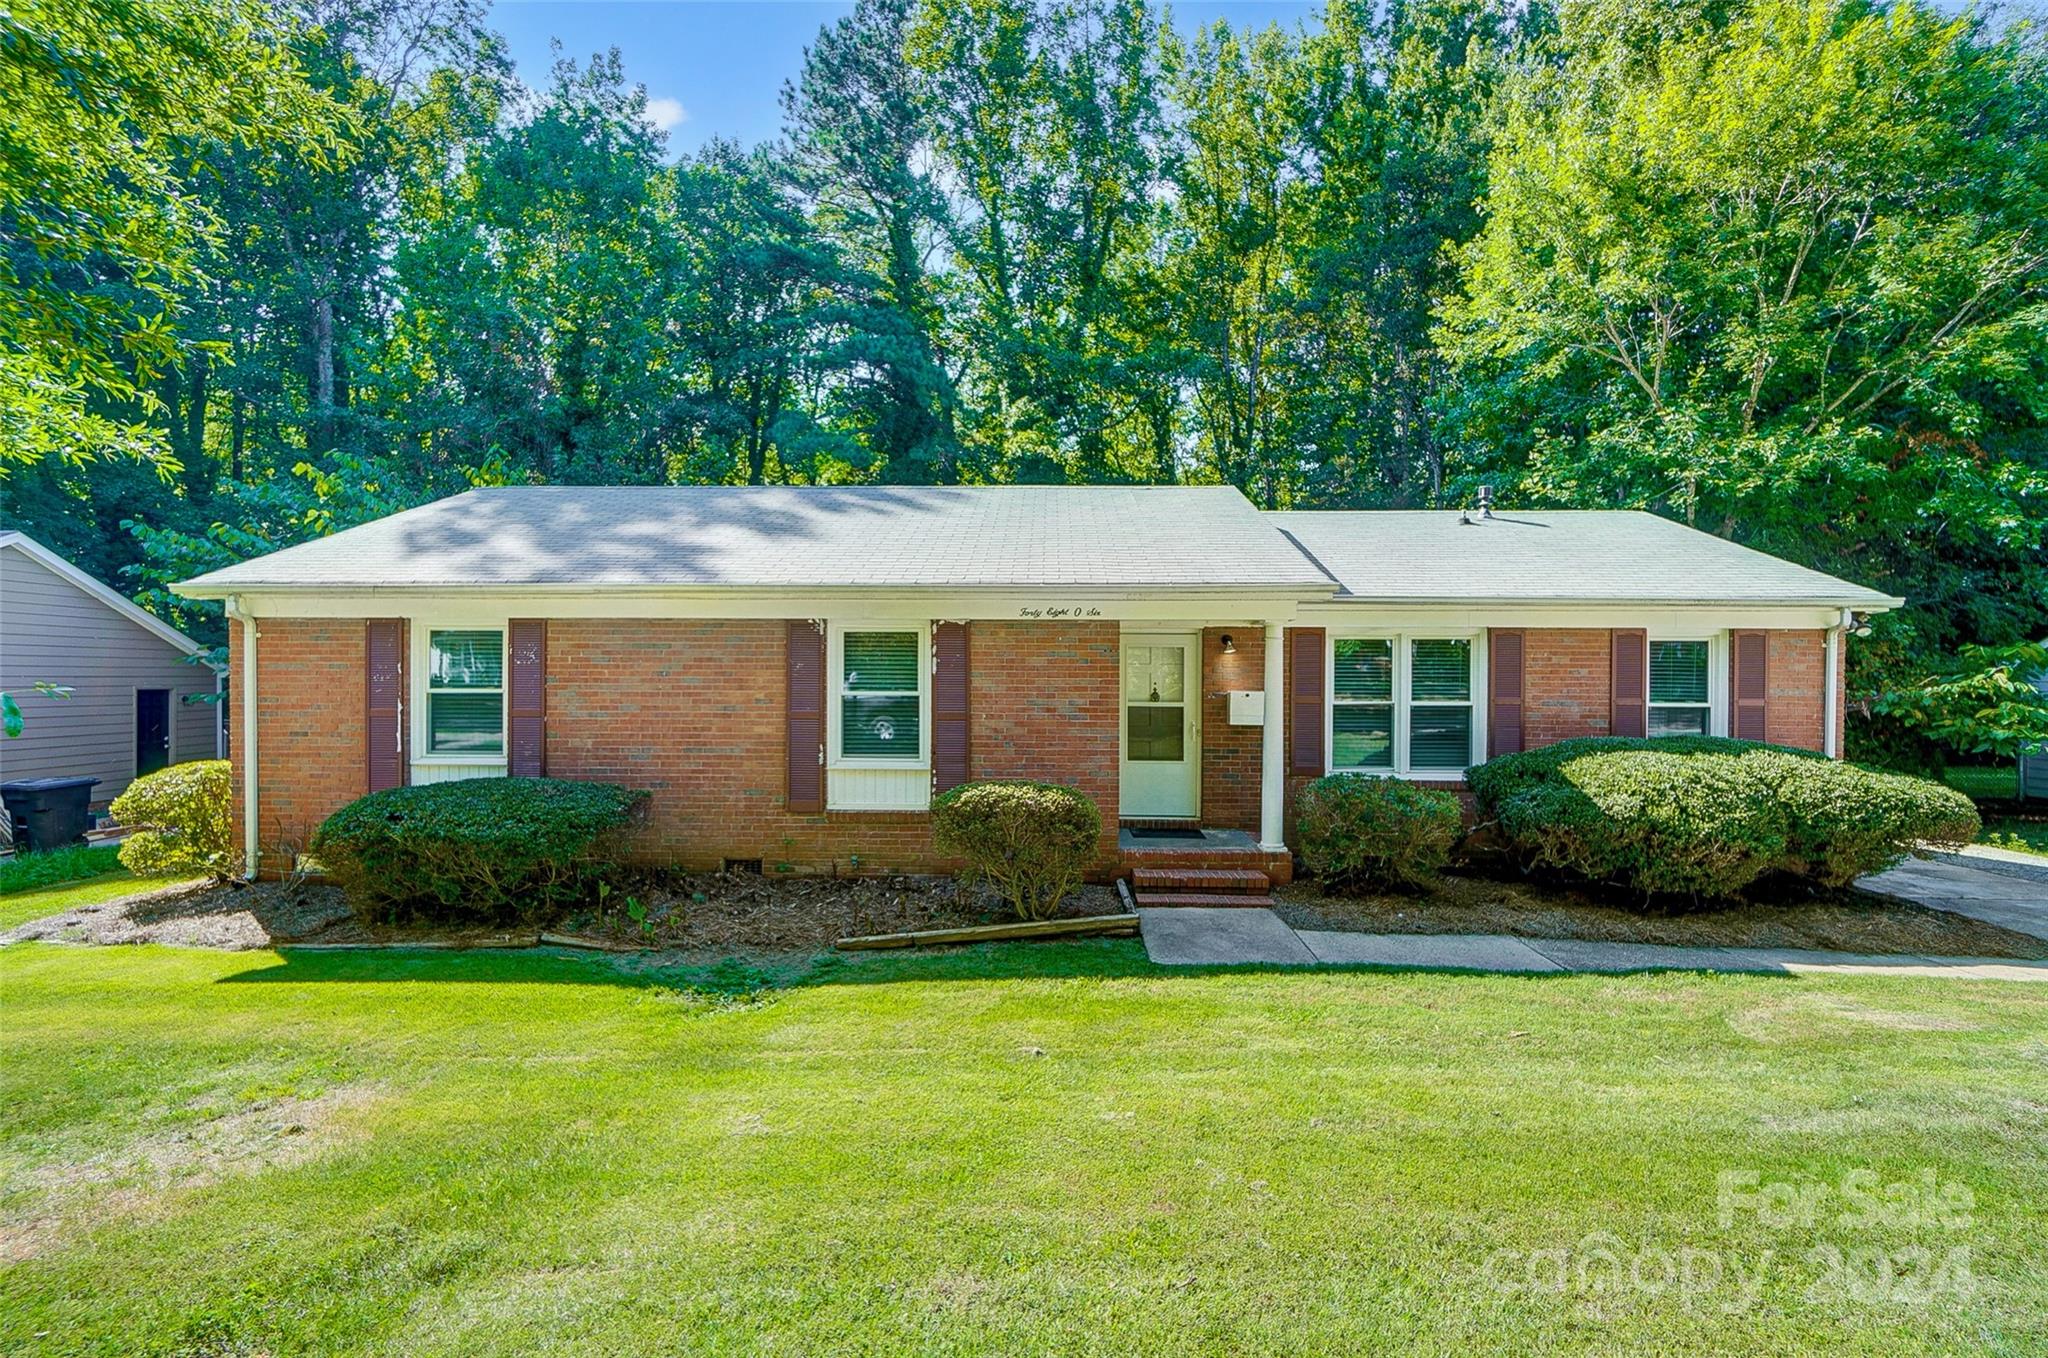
(1717, 677)
(1403, 702)
(418, 634)
(835, 679)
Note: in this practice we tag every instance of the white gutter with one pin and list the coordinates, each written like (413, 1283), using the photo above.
(1831, 701)
(251, 852)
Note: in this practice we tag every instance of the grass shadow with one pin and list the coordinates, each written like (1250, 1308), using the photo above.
(1079, 959)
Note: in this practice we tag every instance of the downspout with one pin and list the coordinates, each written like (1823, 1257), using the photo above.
(1831, 701)
(251, 853)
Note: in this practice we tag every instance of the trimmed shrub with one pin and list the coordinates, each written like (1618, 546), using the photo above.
(1694, 825)
(1845, 821)
(181, 821)
(1357, 830)
(1499, 779)
(496, 849)
(1703, 817)
(1032, 841)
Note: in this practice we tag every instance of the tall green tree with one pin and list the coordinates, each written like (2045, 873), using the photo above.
(103, 106)
(861, 142)
(1395, 128)
(545, 292)
(757, 282)
(1784, 277)
(1232, 164)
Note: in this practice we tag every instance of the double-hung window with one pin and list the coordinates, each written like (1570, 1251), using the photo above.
(466, 693)
(1401, 704)
(1439, 705)
(881, 697)
(1362, 704)
(1680, 702)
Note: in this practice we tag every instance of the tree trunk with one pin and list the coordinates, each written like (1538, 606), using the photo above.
(238, 437)
(320, 428)
(198, 475)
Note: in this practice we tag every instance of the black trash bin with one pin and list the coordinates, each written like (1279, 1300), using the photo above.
(48, 813)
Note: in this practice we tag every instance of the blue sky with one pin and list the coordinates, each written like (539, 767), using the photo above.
(715, 68)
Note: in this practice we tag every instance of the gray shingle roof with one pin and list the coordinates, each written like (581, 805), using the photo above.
(1143, 536)
(1552, 555)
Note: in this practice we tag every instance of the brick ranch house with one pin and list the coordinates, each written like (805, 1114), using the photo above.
(792, 672)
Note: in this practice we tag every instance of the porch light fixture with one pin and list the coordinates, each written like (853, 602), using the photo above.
(1229, 646)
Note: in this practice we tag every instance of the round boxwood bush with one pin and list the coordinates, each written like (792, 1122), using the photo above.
(1702, 817)
(497, 849)
(1356, 830)
(1032, 841)
(181, 821)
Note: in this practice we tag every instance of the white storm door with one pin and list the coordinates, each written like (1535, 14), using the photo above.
(1162, 759)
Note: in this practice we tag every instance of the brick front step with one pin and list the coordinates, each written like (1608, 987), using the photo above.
(1235, 881)
(1148, 899)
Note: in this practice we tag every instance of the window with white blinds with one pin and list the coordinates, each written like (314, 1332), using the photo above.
(881, 696)
(1402, 704)
(1439, 705)
(1680, 701)
(466, 693)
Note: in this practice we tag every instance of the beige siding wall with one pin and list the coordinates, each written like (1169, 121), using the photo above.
(54, 632)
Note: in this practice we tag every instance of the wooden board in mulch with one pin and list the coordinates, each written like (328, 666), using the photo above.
(1781, 915)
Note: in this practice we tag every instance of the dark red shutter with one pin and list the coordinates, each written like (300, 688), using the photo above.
(1631, 690)
(384, 701)
(1305, 701)
(1504, 649)
(1749, 685)
(527, 641)
(951, 757)
(806, 708)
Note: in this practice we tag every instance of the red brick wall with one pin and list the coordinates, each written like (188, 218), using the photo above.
(1045, 703)
(694, 712)
(1231, 755)
(1568, 680)
(1796, 661)
(310, 754)
(1567, 677)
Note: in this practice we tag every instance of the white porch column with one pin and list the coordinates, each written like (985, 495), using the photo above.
(1273, 764)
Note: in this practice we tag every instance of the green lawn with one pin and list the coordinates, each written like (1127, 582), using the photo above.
(2026, 836)
(1030, 1149)
(28, 871)
(1997, 782)
(18, 907)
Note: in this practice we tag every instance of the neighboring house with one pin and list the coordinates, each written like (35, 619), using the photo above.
(2033, 780)
(792, 672)
(136, 702)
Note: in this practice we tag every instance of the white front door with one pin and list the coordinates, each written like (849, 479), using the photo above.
(1162, 713)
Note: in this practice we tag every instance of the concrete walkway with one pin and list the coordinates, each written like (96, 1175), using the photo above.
(2004, 890)
(1242, 936)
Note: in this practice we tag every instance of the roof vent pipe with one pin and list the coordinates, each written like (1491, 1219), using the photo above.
(1486, 502)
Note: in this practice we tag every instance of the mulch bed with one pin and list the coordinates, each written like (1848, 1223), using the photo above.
(695, 912)
(723, 913)
(228, 917)
(701, 912)
(1777, 915)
